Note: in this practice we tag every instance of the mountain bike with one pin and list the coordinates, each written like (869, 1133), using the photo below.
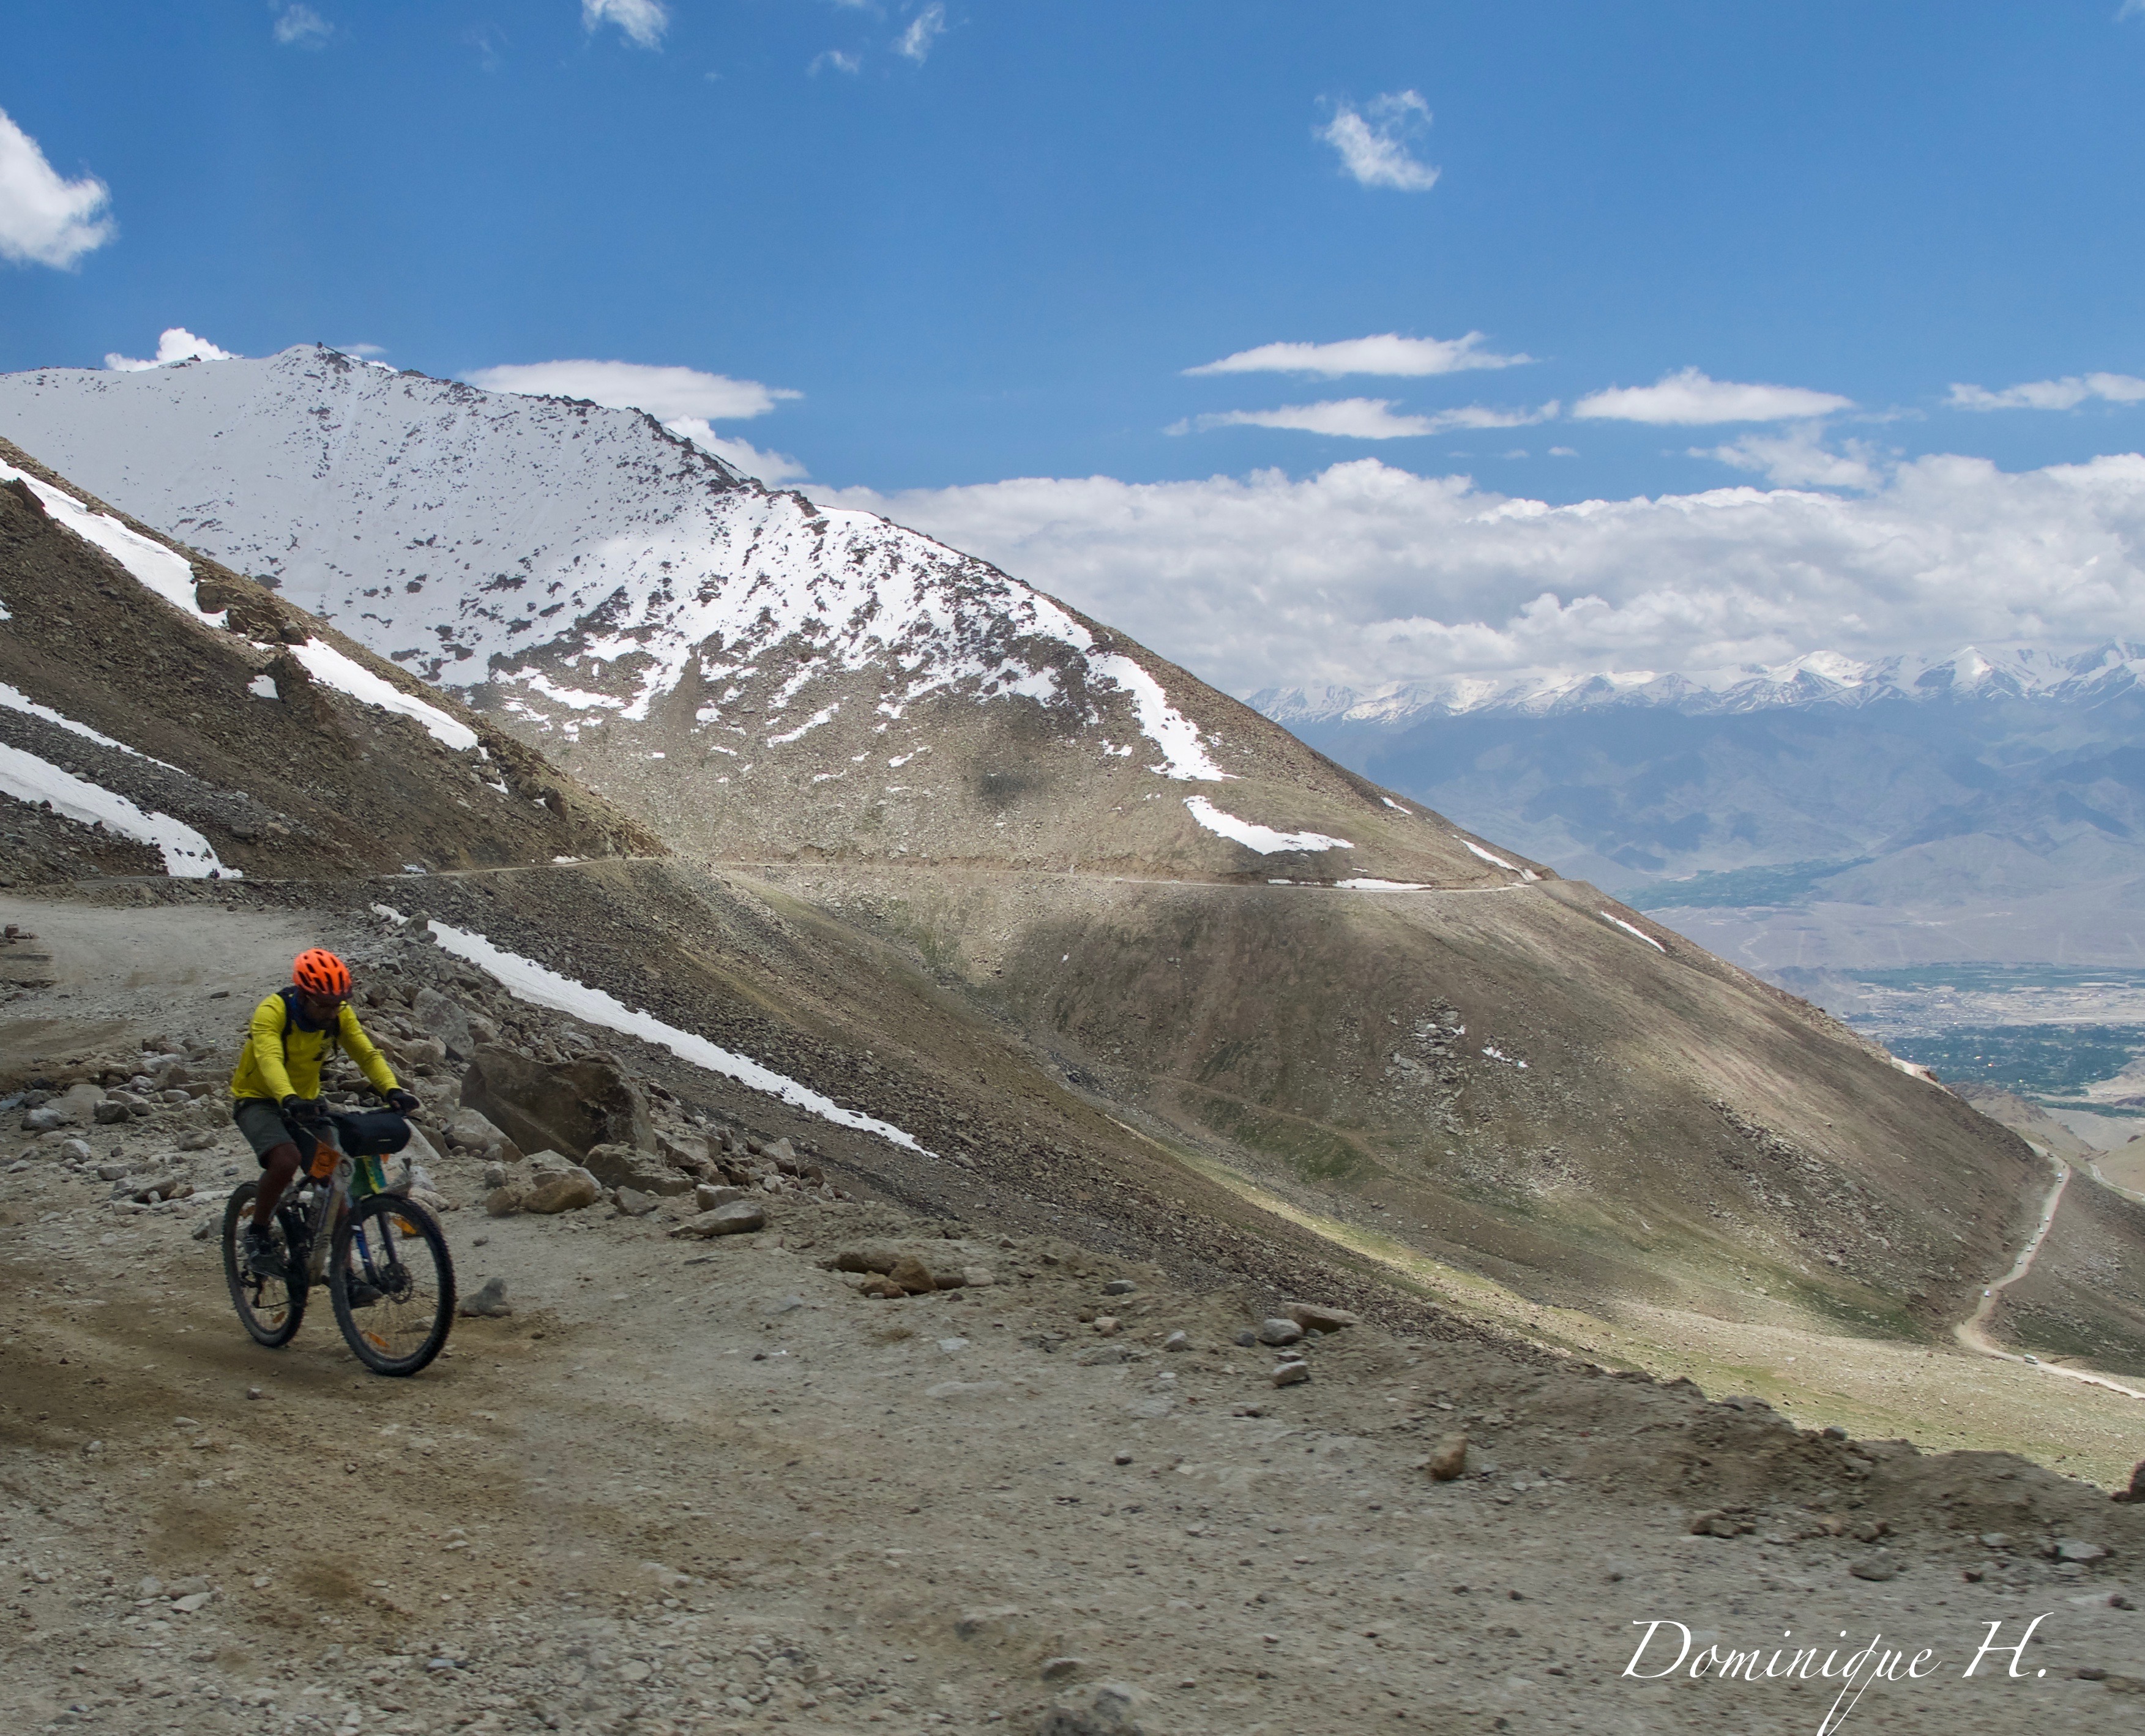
(381, 1254)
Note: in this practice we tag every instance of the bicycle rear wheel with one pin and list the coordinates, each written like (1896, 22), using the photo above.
(392, 1283)
(269, 1309)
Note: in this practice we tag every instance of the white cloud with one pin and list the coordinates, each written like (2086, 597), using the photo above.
(684, 399)
(364, 352)
(924, 29)
(834, 58)
(1690, 397)
(1373, 142)
(1363, 419)
(668, 394)
(2065, 394)
(1352, 418)
(771, 467)
(2130, 9)
(300, 26)
(1390, 354)
(642, 20)
(177, 344)
(1365, 573)
(1799, 459)
(44, 219)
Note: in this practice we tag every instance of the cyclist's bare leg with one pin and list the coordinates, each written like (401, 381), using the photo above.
(278, 1167)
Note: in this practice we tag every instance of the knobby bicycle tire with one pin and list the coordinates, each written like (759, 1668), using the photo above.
(250, 1295)
(382, 1226)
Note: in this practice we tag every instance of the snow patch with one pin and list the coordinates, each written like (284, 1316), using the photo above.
(1383, 885)
(16, 701)
(812, 721)
(188, 855)
(345, 674)
(170, 575)
(1489, 857)
(545, 987)
(263, 687)
(1639, 933)
(578, 699)
(1168, 729)
(1255, 837)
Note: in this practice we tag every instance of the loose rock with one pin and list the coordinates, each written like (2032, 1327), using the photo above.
(562, 1190)
(1450, 1459)
(1290, 1374)
(490, 1302)
(913, 1276)
(738, 1217)
(1317, 1317)
(1278, 1332)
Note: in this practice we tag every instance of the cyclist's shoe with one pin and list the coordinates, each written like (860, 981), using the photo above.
(261, 1255)
(363, 1295)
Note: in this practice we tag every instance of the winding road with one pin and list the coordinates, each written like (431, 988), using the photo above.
(1969, 1330)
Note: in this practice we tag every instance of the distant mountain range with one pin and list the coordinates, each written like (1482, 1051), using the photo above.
(1821, 678)
(1986, 805)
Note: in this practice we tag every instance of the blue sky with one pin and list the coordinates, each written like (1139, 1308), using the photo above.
(981, 242)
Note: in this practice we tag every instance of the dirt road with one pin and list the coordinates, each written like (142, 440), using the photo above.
(1969, 1330)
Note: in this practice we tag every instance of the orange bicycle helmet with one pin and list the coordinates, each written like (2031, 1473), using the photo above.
(318, 972)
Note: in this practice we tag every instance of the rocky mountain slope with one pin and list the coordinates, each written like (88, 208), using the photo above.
(158, 713)
(1089, 904)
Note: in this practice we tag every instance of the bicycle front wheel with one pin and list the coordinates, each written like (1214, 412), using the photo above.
(392, 1283)
(269, 1309)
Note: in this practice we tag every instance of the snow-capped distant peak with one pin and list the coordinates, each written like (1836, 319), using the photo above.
(1817, 677)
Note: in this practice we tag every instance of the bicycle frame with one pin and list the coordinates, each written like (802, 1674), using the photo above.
(332, 1201)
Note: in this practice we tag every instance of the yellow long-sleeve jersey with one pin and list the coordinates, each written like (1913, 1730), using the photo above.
(282, 1059)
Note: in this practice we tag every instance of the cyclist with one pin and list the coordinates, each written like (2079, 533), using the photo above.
(277, 1083)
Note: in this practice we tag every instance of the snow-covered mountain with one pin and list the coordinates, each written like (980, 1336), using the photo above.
(752, 673)
(1820, 679)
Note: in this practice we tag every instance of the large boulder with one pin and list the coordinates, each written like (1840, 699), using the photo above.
(572, 1107)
